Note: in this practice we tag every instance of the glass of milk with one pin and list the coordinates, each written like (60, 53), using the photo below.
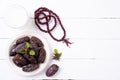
(15, 16)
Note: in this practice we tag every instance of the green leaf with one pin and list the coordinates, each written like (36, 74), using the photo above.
(32, 52)
(60, 54)
(55, 51)
(27, 45)
(21, 51)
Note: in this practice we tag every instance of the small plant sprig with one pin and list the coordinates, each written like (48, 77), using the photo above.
(57, 55)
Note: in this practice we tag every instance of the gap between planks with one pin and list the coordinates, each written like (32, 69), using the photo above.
(81, 59)
(5, 38)
(80, 17)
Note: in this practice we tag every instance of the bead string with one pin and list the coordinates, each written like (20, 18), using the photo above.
(45, 14)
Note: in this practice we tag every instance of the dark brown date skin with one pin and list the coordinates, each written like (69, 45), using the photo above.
(19, 60)
(52, 70)
(12, 50)
(35, 47)
(30, 67)
(19, 46)
(36, 40)
(42, 56)
(23, 39)
(29, 58)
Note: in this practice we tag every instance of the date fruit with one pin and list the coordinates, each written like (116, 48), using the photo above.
(30, 67)
(20, 46)
(31, 59)
(12, 50)
(42, 56)
(36, 40)
(19, 60)
(21, 40)
(52, 70)
(35, 47)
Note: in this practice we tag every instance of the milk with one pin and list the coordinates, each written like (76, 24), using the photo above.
(15, 16)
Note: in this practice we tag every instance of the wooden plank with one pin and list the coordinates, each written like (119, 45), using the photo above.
(73, 69)
(64, 70)
(76, 28)
(73, 8)
(80, 49)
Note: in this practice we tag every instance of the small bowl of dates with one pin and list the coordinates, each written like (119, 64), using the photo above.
(28, 54)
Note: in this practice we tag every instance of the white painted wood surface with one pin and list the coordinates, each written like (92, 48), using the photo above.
(93, 26)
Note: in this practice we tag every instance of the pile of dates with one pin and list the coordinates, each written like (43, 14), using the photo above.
(28, 53)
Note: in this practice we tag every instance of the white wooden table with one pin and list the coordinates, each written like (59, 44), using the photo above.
(93, 26)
